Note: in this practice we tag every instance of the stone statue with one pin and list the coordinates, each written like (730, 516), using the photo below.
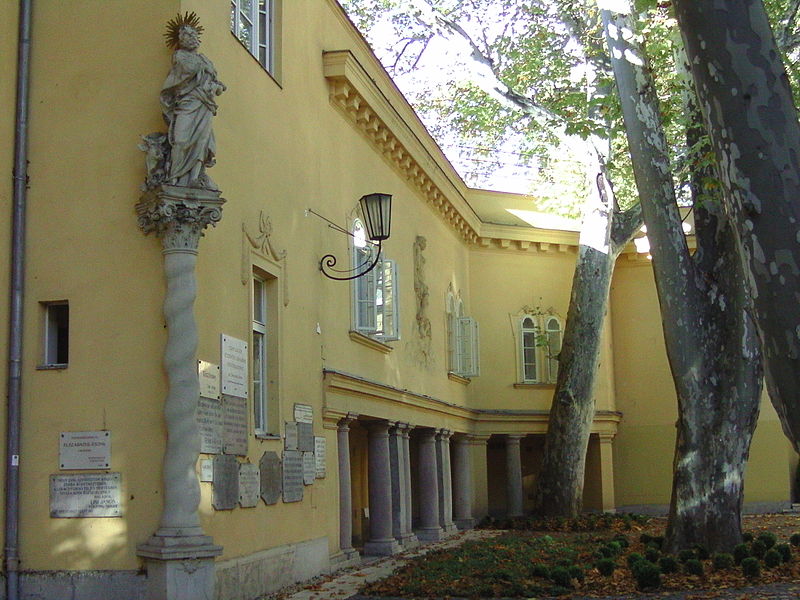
(421, 288)
(188, 105)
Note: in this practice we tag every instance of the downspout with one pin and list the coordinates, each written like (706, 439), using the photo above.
(16, 293)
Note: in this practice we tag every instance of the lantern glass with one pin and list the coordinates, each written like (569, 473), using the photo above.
(377, 210)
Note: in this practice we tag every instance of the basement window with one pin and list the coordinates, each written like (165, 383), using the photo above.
(56, 335)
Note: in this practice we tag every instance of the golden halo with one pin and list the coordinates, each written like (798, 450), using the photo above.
(189, 19)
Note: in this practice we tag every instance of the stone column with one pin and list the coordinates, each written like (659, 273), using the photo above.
(445, 481)
(429, 529)
(462, 483)
(179, 557)
(607, 472)
(401, 507)
(381, 541)
(411, 540)
(480, 473)
(345, 488)
(514, 475)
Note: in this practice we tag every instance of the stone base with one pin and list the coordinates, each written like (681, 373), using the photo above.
(408, 541)
(344, 559)
(430, 534)
(465, 523)
(179, 567)
(83, 585)
(385, 547)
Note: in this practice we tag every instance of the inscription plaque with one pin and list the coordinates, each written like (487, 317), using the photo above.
(309, 468)
(85, 495)
(85, 450)
(290, 440)
(303, 413)
(225, 486)
(320, 455)
(249, 485)
(234, 434)
(292, 476)
(305, 437)
(208, 376)
(206, 469)
(270, 466)
(234, 366)
(209, 422)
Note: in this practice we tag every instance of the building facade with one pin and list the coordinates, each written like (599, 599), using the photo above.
(335, 419)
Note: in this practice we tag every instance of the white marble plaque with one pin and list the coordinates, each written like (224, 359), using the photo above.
(85, 450)
(292, 476)
(225, 486)
(290, 438)
(233, 369)
(270, 467)
(319, 456)
(305, 437)
(209, 422)
(309, 468)
(85, 495)
(234, 435)
(208, 376)
(206, 469)
(303, 413)
(249, 485)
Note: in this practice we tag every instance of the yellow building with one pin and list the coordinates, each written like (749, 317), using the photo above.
(336, 418)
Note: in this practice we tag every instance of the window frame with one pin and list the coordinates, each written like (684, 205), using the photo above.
(463, 344)
(545, 363)
(260, 362)
(264, 34)
(55, 334)
(533, 330)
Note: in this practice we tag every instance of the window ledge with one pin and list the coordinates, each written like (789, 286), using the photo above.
(369, 342)
(268, 436)
(458, 378)
(58, 367)
(535, 386)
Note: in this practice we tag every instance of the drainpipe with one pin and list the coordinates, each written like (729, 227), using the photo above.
(16, 293)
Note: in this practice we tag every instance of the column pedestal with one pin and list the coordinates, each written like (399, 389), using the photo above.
(514, 474)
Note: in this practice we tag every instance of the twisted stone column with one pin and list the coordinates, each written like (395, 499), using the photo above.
(180, 557)
(429, 529)
(345, 488)
(462, 483)
(381, 540)
(514, 474)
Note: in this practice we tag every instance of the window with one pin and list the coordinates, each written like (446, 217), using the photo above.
(253, 23)
(260, 387)
(56, 334)
(539, 346)
(375, 300)
(462, 340)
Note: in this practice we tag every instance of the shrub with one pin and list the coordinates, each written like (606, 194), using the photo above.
(702, 552)
(747, 537)
(772, 558)
(659, 540)
(560, 576)
(795, 539)
(645, 538)
(647, 575)
(668, 564)
(622, 540)
(633, 558)
(767, 538)
(786, 552)
(685, 555)
(614, 547)
(652, 555)
(605, 566)
(751, 568)
(758, 548)
(575, 572)
(540, 570)
(740, 552)
(693, 567)
(722, 561)
(564, 562)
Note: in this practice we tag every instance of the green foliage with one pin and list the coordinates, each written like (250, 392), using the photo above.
(540, 570)
(751, 568)
(668, 564)
(772, 558)
(652, 555)
(747, 537)
(693, 567)
(722, 561)
(633, 558)
(605, 566)
(794, 540)
(702, 552)
(686, 555)
(560, 576)
(786, 552)
(767, 538)
(648, 575)
(740, 552)
(622, 540)
(758, 548)
(576, 573)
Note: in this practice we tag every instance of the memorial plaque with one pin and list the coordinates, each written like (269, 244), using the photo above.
(234, 434)
(305, 437)
(270, 466)
(320, 455)
(249, 485)
(309, 468)
(225, 487)
(85, 450)
(292, 476)
(233, 369)
(206, 469)
(208, 376)
(290, 439)
(210, 424)
(85, 495)
(303, 413)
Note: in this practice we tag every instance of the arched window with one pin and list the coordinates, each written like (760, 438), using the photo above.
(553, 347)
(529, 333)
(375, 306)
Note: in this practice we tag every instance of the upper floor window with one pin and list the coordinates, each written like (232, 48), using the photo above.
(375, 295)
(259, 366)
(253, 23)
(462, 340)
(539, 346)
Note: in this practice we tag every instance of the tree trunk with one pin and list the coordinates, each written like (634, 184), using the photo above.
(711, 343)
(749, 113)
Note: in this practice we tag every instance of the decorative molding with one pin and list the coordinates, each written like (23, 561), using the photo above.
(261, 244)
(535, 386)
(458, 378)
(369, 342)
